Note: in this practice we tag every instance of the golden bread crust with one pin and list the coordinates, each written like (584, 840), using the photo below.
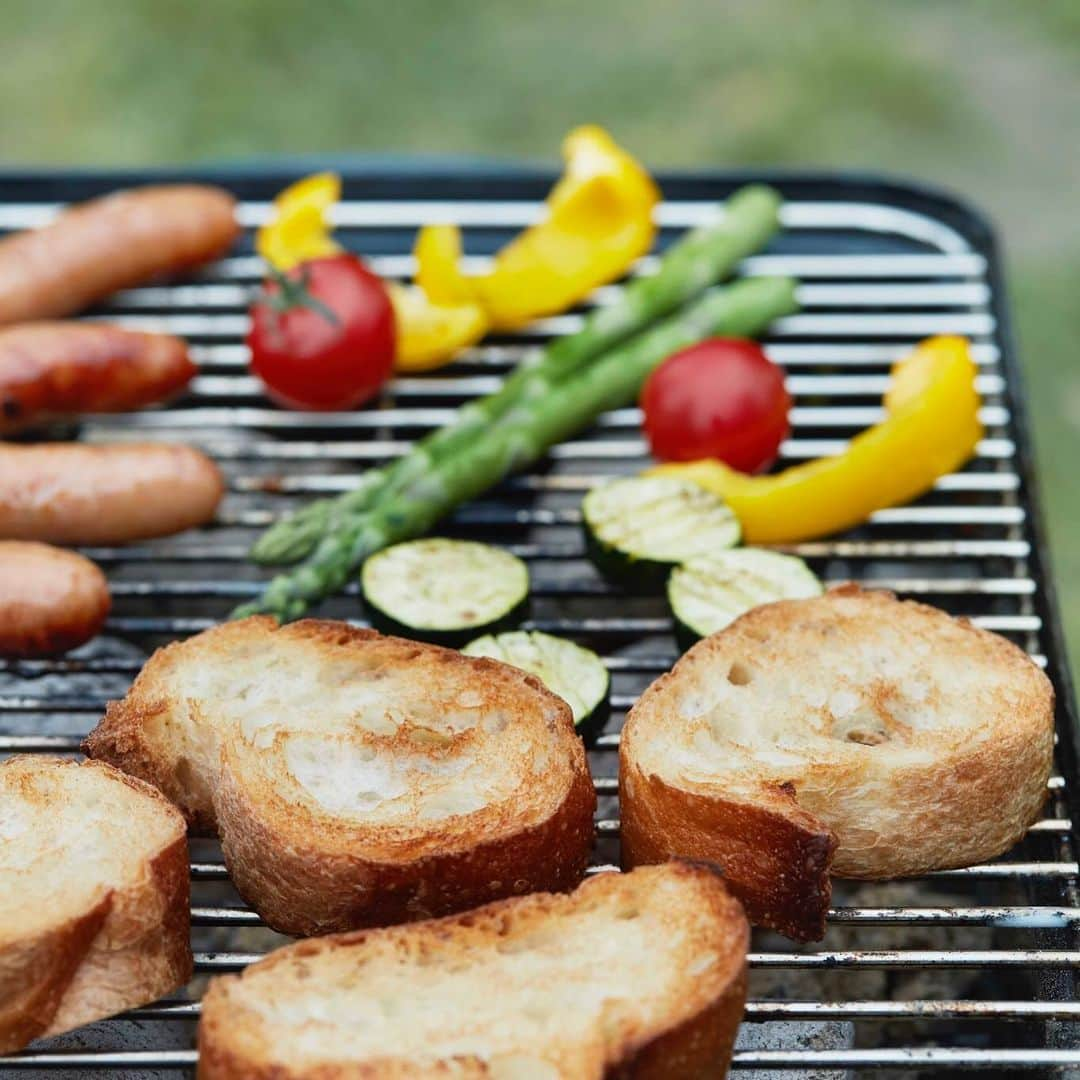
(125, 942)
(659, 1006)
(398, 781)
(852, 733)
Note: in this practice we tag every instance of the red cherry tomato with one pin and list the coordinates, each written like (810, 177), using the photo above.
(722, 398)
(322, 334)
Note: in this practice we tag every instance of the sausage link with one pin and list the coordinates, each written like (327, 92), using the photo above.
(71, 493)
(54, 370)
(111, 243)
(51, 601)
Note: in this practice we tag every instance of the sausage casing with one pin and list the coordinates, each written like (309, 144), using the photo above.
(55, 370)
(71, 493)
(50, 600)
(111, 243)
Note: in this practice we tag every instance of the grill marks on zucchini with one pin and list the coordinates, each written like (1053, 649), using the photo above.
(639, 527)
(709, 592)
(444, 591)
(574, 673)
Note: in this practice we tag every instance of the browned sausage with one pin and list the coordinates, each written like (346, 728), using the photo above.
(71, 493)
(52, 370)
(112, 243)
(50, 600)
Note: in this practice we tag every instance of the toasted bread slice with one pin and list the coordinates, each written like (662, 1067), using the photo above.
(94, 913)
(854, 732)
(640, 974)
(356, 779)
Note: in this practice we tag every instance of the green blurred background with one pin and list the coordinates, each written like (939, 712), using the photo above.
(980, 97)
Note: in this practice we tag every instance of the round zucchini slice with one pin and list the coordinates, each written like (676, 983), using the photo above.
(711, 591)
(639, 527)
(444, 591)
(575, 674)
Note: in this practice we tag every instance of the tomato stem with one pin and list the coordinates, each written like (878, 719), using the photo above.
(293, 292)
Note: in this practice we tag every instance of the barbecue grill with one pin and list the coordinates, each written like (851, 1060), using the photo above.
(971, 969)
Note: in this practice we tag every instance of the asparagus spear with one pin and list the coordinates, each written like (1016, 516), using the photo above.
(523, 435)
(698, 260)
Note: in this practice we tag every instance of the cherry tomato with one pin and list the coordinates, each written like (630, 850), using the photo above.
(722, 398)
(322, 334)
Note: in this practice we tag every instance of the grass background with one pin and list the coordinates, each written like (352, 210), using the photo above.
(983, 98)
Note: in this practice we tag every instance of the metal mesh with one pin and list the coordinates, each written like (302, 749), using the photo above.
(971, 968)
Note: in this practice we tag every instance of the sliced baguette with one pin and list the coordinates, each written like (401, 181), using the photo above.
(851, 732)
(640, 974)
(94, 914)
(356, 779)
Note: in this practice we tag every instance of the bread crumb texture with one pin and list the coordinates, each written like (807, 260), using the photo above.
(94, 896)
(540, 987)
(357, 779)
(919, 740)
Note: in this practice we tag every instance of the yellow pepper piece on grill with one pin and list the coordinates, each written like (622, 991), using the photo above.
(300, 227)
(438, 273)
(931, 429)
(431, 335)
(428, 334)
(599, 222)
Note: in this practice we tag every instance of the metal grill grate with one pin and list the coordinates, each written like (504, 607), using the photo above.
(966, 969)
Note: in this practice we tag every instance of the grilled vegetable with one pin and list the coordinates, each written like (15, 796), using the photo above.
(744, 308)
(599, 222)
(299, 230)
(710, 591)
(932, 428)
(444, 591)
(575, 674)
(322, 334)
(431, 335)
(696, 261)
(427, 335)
(638, 528)
(722, 399)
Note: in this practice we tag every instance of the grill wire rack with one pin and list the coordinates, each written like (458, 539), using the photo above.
(972, 969)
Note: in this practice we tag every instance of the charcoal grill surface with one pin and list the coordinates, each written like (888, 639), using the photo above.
(971, 969)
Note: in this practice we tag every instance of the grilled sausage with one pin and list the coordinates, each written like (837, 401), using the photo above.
(50, 600)
(54, 370)
(111, 243)
(70, 493)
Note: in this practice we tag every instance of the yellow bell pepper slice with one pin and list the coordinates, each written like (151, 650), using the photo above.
(931, 429)
(438, 272)
(428, 334)
(300, 227)
(599, 222)
(431, 335)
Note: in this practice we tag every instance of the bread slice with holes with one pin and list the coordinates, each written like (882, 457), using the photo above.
(355, 779)
(640, 974)
(94, 911)
(853, 733)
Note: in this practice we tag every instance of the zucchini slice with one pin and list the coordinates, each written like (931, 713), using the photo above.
(575, 674)
(639, 527)
(710, 591)
(444, 591)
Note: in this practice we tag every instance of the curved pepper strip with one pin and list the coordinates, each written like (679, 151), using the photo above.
(300, 228)
(932, 428)
(428, 335)
(599, 222)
